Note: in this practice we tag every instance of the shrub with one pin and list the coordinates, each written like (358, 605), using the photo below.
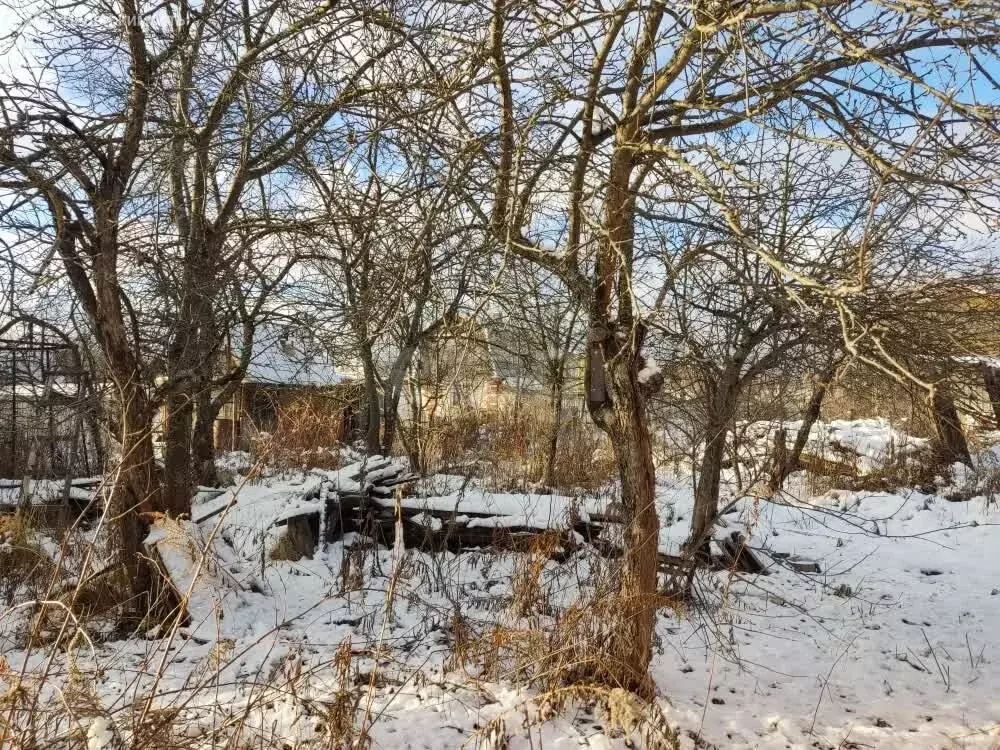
(510, 448)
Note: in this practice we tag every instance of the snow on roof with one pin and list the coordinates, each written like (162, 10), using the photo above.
(283, 355)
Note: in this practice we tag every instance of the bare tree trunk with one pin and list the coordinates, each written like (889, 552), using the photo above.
(203, 439)
(373, 426)
(706, 495)
(412, 435)
(951, 444)
(721, 411)
(556, 402)
(779, 461)
(390, 419)
(393, 392)
(617, 403)
(991, 379)
(792, 461)
(177, 476)
(135, 489)
(630, 640)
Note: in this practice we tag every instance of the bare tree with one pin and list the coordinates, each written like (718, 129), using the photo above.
(536, 323)
(74, 163)
(241, 107)
(189, 91)
(393, 263)
(595, 100)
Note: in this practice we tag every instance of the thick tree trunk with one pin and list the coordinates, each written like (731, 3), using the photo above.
(135, 490)
(373, 428)
(706, 496)
(390, 419)
(617, 403)
(97, 462)
(991, 379)
(951, 445)
(779, 461)
(373, 444)
(412, 435)
(178, 481)
(629, 646)
(203, 439)
(394, 392)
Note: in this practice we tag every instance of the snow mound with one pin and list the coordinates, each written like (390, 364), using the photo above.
(863, 444)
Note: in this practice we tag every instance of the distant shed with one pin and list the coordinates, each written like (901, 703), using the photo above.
(288, 379)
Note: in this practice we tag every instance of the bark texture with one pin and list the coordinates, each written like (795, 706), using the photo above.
(722, 407)
(623, 417)
(556, 404)
(177, 475)
(203, 439)
(135, 491)
(617, 403)
(951, 445)
(991, 379)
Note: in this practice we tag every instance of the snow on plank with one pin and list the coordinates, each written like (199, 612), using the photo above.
(178, 547)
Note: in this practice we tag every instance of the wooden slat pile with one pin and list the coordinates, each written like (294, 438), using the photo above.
(362, 498)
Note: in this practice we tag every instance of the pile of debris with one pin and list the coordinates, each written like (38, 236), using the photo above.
(371, 497)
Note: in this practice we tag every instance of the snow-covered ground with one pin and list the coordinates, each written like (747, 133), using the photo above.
(893, 644)
(861, 444)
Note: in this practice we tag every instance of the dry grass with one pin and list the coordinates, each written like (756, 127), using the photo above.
(534, 639)
(510, 448)
(308, 433)
(560, 652)
(25, 568)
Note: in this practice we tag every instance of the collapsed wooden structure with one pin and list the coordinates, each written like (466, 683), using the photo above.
(368, 498)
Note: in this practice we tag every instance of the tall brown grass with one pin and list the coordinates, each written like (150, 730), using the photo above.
(510, 449)
(308, 433)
